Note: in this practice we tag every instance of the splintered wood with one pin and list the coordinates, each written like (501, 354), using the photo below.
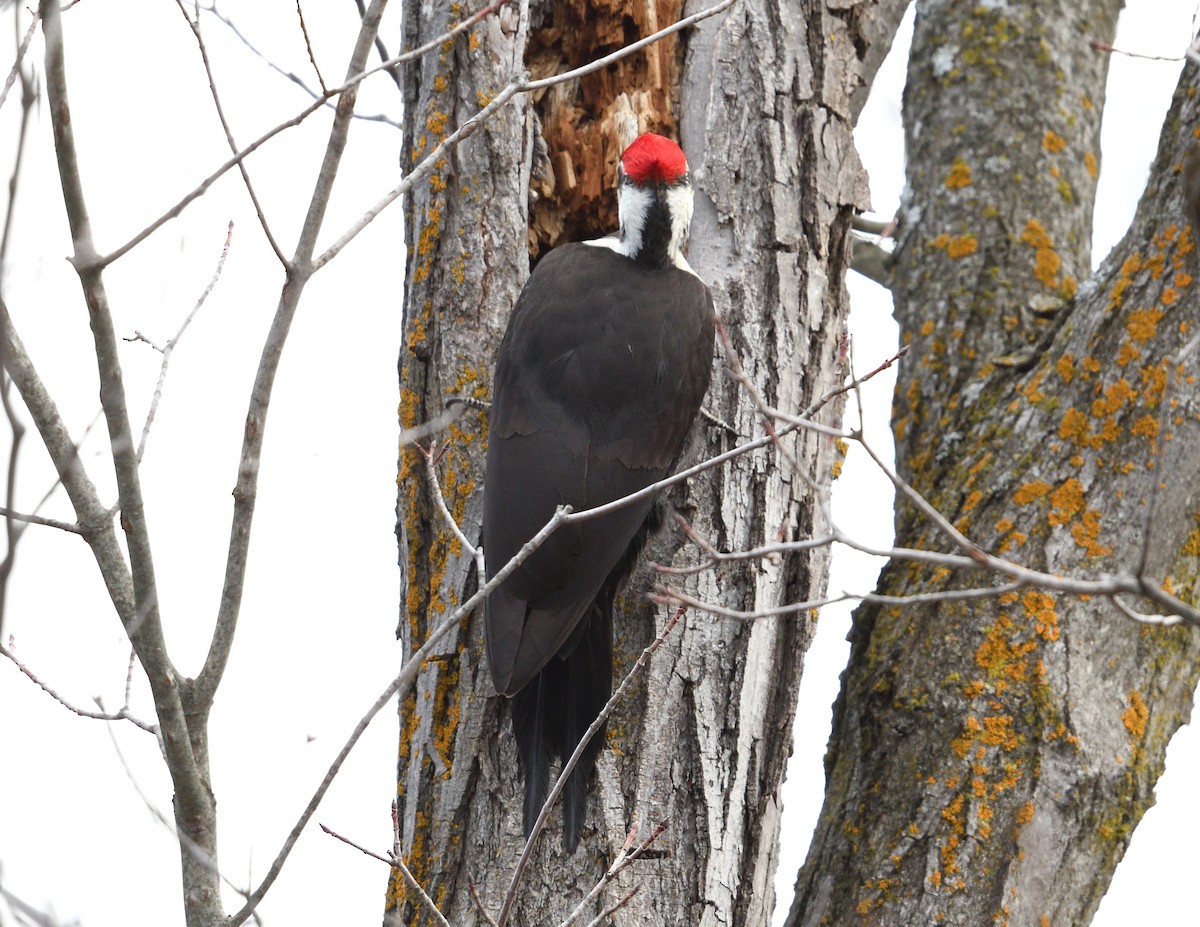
(585, 124)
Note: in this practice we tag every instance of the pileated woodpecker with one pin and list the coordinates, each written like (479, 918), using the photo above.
(600, 375)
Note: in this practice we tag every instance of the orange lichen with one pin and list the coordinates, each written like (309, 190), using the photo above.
(959, 176)
(1143, 324)
(1135, 716)
(1027, 492)
(961, 246)
(1115, 396)
(1046, 264)
(1086, 531)
(1035, 235)
(1039, 607)
(1131, 266)
(1146, 427)
(1053, 142)
(1066, 502)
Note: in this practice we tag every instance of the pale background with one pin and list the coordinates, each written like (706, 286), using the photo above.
(316, 638)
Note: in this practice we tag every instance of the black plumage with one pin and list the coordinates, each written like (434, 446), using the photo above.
(598, 380)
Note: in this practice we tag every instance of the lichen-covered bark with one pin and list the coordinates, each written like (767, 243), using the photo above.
(461, 276)
(762, 101)
(990, 759)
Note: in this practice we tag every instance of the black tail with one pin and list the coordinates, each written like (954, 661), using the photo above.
(551, 715)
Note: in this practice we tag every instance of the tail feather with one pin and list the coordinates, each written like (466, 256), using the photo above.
(533, 746)
(589, 675)
(551, 714)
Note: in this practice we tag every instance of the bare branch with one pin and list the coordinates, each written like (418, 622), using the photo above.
(93, 519)
(401, 684)
(701, 467)
(12, 527)
(28, 912)
(872, 261)
(199, 191)
(36, 520)
(664, 596)
(122, 715)
(398, 863)
(195, 852)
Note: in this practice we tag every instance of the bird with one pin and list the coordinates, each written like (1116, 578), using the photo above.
(599, 377)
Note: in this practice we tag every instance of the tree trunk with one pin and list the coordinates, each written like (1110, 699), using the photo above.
(991, 757)
(763, 98)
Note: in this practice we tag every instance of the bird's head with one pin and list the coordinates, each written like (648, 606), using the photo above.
(655, 200)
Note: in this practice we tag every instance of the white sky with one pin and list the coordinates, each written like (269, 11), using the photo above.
(315, 642)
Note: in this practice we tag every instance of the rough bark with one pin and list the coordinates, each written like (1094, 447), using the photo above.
(763, 108)
(990, 759)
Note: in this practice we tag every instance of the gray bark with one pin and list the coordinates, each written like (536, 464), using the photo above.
(764, 111)
(991, 758)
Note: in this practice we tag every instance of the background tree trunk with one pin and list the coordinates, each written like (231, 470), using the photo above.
(764, 97)
(990, 758)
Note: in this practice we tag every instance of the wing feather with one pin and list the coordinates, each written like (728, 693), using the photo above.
(598, 379)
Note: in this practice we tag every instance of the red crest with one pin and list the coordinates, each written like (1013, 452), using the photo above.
(653, 159)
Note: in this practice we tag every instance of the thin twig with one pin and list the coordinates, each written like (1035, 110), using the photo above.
(194, 25)
(169, 347)
(627, 854)
(323, 99)
(613, 909)
(350, 843)
(312, 58)
(472, 551)
(1162, 621)
(855, 383)
(480, 909)
(122, 715)
(21, 50)
(664, 596)
(1097, 45)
